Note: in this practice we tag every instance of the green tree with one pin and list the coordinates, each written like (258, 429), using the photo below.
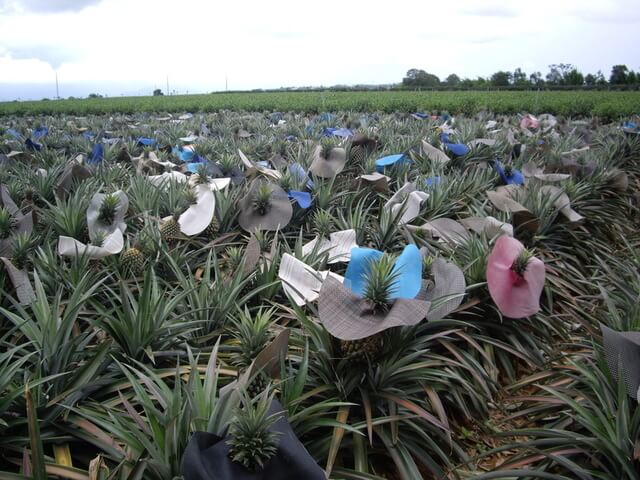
(519, 77)
(420, 78)
(573, 77)
(452, 80)
(632, 77)
(501, 79)
(590, 79)
(618, 75)
(157, 92)
(536, 79)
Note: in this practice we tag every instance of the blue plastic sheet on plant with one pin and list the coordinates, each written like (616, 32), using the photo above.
(147, 142)
(408, 266)
(14, 133)
(96, 155)
(301, 198)
(514, 178)
(432, 181)
(337, 132)
(31, 145)
(300, 174)
(88, 135)
(39, 132)
(390, 160)
(186, 153)
(420, 115)
(458, 149)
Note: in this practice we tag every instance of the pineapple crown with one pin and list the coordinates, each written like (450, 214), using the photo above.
(203, 176)
(233, 257)
(508, 170)
(262, 199)
(190, 196)
(380, 280)
(7, 223)
(286, 181)
(327, 147)
(322, 223)
(519, 265)
(98, 238)
(427, 264)
(107, 213)
(22, 245)
(252, 334)
(252, 443)
(227, 164)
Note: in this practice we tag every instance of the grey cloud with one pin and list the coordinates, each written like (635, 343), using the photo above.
(490, 11)
(54, 56)
(46, 6)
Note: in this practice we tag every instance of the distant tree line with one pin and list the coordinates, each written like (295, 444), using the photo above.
(560, 75)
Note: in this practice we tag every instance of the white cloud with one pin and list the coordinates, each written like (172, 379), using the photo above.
(105, 44)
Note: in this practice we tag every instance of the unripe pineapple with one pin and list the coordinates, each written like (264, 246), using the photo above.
(357, 154)
(252, 443)
(212, 229)
(170, 230)
(360, 350)
(132, 260)
(258, 384)
(262, 199)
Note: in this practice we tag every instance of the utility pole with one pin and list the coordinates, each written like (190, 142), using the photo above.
(168, 85)
(226, 83)
(57, 91)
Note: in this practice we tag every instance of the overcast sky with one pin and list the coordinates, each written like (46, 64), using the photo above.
(129, 47)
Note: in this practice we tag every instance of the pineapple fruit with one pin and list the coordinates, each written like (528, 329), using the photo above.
(132, 260)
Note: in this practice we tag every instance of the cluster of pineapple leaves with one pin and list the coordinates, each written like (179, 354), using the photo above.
(113, 366)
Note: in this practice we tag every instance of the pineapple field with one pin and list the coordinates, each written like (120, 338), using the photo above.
(347, 295)
(608, 105)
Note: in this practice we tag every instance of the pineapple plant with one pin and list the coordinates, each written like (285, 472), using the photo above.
(22, 248)
(252, 336)
(251, 441)
(323, 223)
(380, 280)
(262, 199)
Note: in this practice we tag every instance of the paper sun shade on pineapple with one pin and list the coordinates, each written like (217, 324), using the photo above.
(197, 216)
(265, 207)
(12, 221)
(408, 198)
(490, 226)
(378, 293)
(445, 288)
(73, 172)
(434, 154)
(251, 169)
(149, 163)
(209, 456)
(445, 230)
(301, 282)
(515, 278)
(105, 222)
(531, 171)
(520, 215)
(376, 180)
(529, 122)
(622, 351)
(327, 161)
(338, 244)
